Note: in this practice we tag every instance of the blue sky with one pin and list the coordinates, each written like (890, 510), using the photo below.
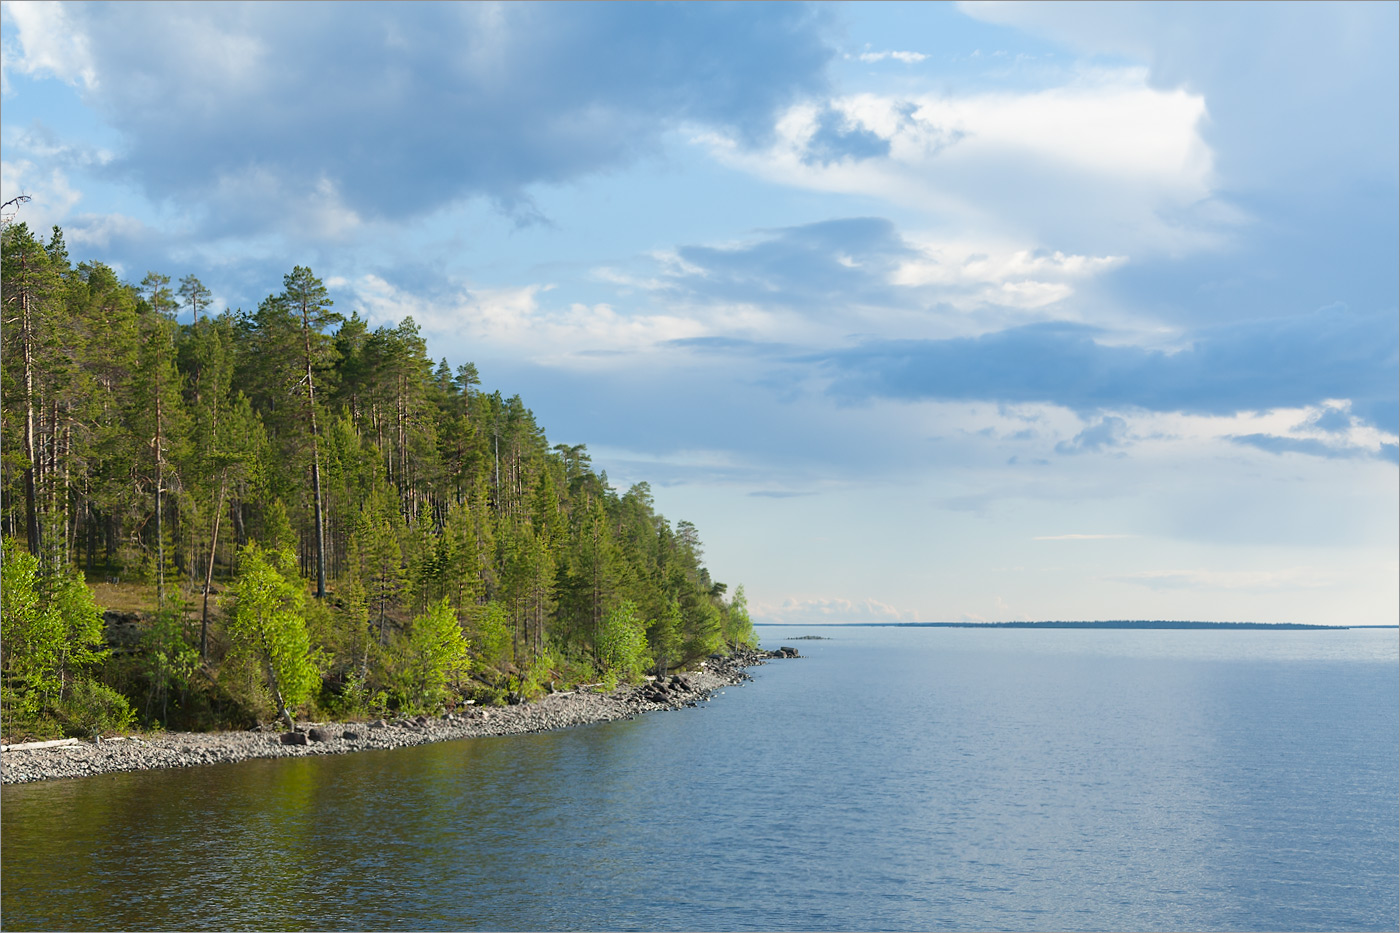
(919, 311)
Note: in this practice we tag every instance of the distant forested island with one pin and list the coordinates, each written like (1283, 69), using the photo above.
(1113, 624)
(296, 511)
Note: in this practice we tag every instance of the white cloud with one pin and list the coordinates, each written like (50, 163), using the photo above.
(1296, 90)
(50, 193)
(99, 230)
(515, 317)
(970, 274)
(909, 58)
(1105, 159)
(49, 44)
(805, 610)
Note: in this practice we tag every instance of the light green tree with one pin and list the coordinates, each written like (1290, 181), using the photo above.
(622, 644)
(267, 624)
(491, 641)
(435, 652)
(738, 627)
(50, 632)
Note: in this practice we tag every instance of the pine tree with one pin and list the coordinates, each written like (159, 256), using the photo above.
(308, 298)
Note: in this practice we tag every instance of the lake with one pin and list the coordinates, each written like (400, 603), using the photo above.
(892, 779)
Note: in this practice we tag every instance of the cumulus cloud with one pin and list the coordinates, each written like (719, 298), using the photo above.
(391, 112)
(864, 274)
(51, 194)
(1293, 89)
(48, 43)
(517, 318)
(1100, 161)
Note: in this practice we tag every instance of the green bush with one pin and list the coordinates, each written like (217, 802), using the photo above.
(433, 654)
(622, 644)
(91, 708)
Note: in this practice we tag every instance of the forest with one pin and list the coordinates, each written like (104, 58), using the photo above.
(293, 514)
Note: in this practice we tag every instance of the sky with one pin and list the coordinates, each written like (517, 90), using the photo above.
(920, 312)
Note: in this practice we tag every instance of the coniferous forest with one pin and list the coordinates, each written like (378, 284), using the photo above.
(291, 513)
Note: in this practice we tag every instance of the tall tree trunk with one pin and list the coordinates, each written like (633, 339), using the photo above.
(209, 574)
(315, 463)
(31, 505)
(160, 482)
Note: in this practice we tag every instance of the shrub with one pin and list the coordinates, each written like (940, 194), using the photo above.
(93, 709)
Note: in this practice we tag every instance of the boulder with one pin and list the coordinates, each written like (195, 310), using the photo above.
(350, 735)
(318, 735)
(294, 738)
(378, 724)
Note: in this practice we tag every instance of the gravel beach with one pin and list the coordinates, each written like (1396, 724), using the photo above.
(554, 711)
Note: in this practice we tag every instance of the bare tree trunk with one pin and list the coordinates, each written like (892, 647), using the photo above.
(31, 506)
(315, 464)
(209, 574)
(160, 480)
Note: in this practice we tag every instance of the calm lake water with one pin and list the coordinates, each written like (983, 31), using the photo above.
(893, 779)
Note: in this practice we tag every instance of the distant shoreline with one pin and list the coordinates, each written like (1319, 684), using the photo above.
(1266, 626)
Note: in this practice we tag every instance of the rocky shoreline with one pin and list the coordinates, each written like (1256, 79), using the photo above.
(555, 711)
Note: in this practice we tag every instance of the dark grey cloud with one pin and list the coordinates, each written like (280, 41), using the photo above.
(1285, 362)
(403, 107)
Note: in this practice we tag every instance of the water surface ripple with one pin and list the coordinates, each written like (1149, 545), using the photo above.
(890, 780)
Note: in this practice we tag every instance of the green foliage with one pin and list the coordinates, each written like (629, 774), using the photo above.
(92, 709)
(622, 644)
(169, 661)
(738, 627)
(539, 674)
(702, 627)
(491, 639)
(266, 622)
(50, 632)
(665, 636)
(433, 653)
(143, 438)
